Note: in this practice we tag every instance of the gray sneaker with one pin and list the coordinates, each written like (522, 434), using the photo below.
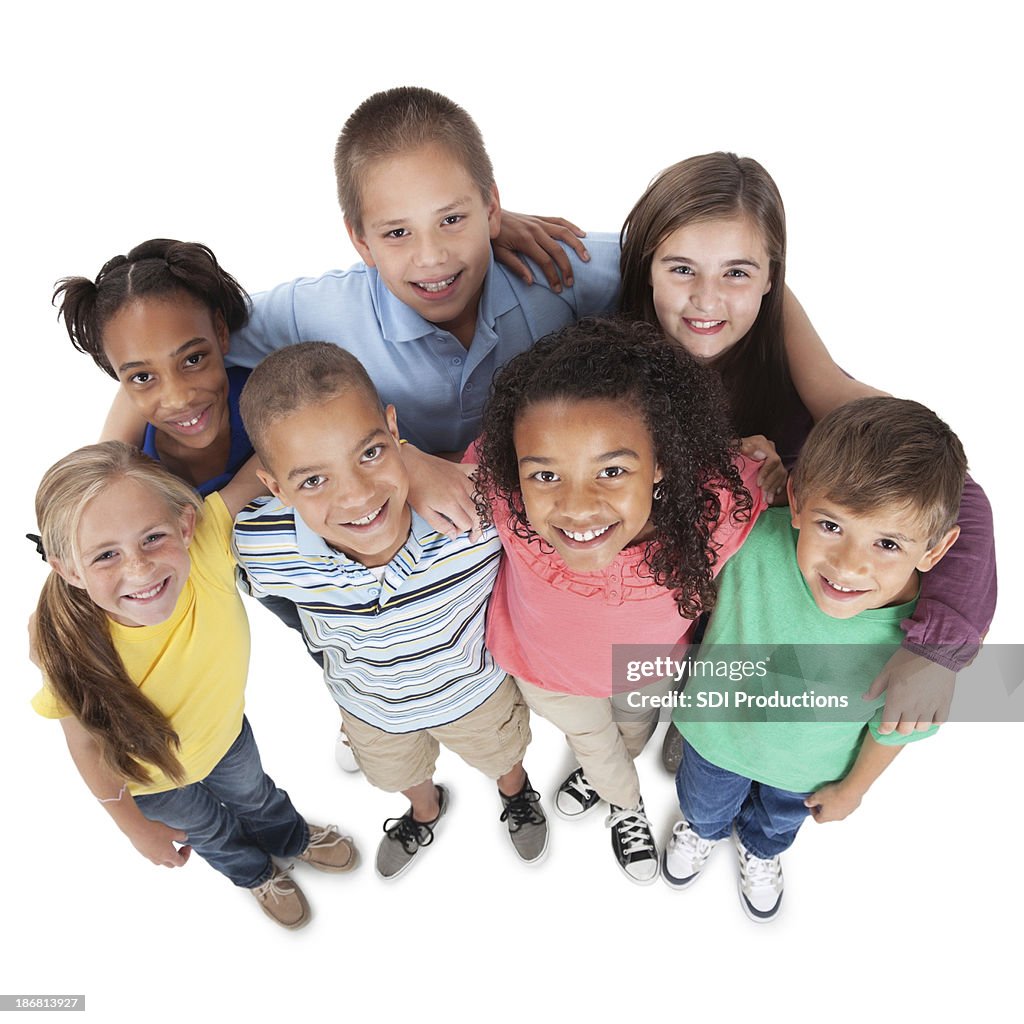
(404, 837)
(672, 749)
(527, 826)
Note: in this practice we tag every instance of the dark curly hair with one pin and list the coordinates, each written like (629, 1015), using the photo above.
(684, 408)
(161, 267)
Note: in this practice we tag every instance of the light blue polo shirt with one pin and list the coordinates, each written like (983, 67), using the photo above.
(438, 387)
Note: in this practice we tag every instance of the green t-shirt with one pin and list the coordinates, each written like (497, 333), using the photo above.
(793, 716)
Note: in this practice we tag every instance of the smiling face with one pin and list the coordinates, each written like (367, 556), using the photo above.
(338, 464)
(133, 556)
(853, 562)
(427, 230)
(708, 279)
(168, 354)
(587, 471)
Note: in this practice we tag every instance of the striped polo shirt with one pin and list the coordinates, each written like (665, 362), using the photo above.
(403, 652)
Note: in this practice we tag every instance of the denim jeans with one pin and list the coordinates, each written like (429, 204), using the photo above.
(713, 800)
(236, 817)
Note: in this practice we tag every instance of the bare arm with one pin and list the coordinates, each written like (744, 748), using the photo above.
(123, 423)
(243, 487)
(822, 386)
(837, 800)
(152, 839)
(441, 492)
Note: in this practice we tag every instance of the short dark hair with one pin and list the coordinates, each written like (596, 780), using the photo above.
(310, 373)
(883, 452)
(399, 120)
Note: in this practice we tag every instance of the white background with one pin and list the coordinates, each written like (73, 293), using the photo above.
(891, 131)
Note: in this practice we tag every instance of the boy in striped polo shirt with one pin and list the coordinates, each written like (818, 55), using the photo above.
(396, 609)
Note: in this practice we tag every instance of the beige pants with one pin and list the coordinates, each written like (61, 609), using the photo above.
(605, 734)
(492, 738)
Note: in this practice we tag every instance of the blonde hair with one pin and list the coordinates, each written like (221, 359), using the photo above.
(72, 634)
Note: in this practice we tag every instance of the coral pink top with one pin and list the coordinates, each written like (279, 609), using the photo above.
(555, 628)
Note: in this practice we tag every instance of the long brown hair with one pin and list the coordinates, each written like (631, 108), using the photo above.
(712, 187)
(73, 638)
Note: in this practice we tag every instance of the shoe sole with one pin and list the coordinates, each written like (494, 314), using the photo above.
(412, 860)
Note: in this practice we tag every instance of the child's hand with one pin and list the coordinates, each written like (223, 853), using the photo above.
(539, 238)
(833, 802)
(918, 693)
(155, 841)
(772, 476)
(442, 492)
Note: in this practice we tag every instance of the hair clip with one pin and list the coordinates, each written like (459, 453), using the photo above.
(38, 541)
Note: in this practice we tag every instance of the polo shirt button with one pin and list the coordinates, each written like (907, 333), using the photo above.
(457, 361)
(613, 593)
(374, 591)
(469, 386)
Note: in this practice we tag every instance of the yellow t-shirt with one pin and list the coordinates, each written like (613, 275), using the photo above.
(193, 666)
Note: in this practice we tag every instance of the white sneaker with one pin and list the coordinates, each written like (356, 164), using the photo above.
(685, 856)
(633, 843)
(760, 883)
(343, 754)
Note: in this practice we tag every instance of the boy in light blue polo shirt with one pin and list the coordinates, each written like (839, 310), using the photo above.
(429, 314)
(812, 604)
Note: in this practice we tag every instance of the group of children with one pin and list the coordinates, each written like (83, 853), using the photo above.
(616, 487)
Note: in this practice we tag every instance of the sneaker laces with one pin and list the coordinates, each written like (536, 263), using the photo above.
(760, 873)
(409, 832)
(577, 783)
(634, 830)
(520, 809)
(684, 836)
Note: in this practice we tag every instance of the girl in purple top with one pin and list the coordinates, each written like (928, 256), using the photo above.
(703, 256)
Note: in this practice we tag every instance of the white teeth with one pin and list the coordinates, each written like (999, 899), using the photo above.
(704, 325)
(366, 519)
(842, 590)
(437, 286)
(582, 538)
(144, 595)
(190, 423)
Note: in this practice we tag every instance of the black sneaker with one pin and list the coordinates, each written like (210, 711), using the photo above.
(527, 826)
(633, 844)
(404, 837)
(575, 796)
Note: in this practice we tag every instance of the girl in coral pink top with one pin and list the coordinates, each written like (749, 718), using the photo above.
(612, 476)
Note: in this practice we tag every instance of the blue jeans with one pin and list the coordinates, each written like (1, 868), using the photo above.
(236, 817)
(713, 800)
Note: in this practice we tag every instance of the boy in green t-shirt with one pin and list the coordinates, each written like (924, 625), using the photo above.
(874, 500)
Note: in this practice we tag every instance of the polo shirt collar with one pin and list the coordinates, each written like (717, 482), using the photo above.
(311, 545)
(399, 322)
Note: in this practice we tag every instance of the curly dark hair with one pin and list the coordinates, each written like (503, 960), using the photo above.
(684, 409)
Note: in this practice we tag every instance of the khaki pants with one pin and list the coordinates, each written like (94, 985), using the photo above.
(492, 738)
(605, 734)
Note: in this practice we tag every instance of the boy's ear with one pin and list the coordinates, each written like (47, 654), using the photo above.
(794, 511)
(494, 213)
(66, 571)
(937, 551)
(358, 239)
(271, 484)
(220, 329)
(391, 419)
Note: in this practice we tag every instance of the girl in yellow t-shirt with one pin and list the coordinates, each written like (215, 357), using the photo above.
(144, 645)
